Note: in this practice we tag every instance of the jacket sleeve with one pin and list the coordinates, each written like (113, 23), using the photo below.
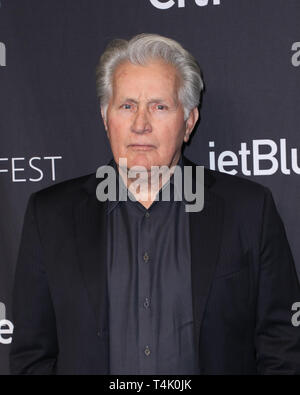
(34, 347)
(277, 340)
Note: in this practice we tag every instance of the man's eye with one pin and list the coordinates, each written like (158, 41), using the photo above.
(127, 106)
(160, 107)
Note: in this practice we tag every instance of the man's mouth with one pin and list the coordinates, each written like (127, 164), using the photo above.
(141, 147)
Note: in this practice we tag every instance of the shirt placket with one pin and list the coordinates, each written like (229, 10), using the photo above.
(145, 306)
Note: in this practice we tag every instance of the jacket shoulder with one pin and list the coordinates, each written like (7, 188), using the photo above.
(63, 194)
(243, 197)
(226, 184)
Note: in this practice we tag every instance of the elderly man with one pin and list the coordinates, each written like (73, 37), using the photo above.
(141, 285)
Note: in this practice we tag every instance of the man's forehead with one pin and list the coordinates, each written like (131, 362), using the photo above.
(132, 81)
(158, 69)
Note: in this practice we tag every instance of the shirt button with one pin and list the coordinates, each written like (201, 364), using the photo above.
(146, 303)
(147, 215)
(147, 351)
(146, 257)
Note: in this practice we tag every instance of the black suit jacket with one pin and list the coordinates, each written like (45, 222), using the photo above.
(243, 282)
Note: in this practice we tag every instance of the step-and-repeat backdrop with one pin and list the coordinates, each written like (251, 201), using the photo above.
(50, 125)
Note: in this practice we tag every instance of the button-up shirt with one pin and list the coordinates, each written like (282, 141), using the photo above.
(149, 285)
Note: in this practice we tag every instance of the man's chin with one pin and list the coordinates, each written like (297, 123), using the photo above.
(140, 163)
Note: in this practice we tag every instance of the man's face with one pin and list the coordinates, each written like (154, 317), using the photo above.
(145, 120)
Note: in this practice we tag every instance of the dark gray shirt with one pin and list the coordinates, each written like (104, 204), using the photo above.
(149, 285)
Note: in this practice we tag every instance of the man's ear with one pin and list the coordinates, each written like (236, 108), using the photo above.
(190, 123)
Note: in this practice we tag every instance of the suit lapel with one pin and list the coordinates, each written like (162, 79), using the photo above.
(205, 236)
(205, 230)
(90, 228)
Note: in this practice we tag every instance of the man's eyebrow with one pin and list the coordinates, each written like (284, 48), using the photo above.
(157, 100)
(154, 100)
(129, 99)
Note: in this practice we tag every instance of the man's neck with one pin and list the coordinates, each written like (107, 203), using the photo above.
(147, 184)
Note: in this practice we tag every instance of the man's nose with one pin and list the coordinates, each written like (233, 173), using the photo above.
(141, 122)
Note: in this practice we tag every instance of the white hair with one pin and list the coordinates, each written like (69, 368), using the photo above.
(139, 51)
